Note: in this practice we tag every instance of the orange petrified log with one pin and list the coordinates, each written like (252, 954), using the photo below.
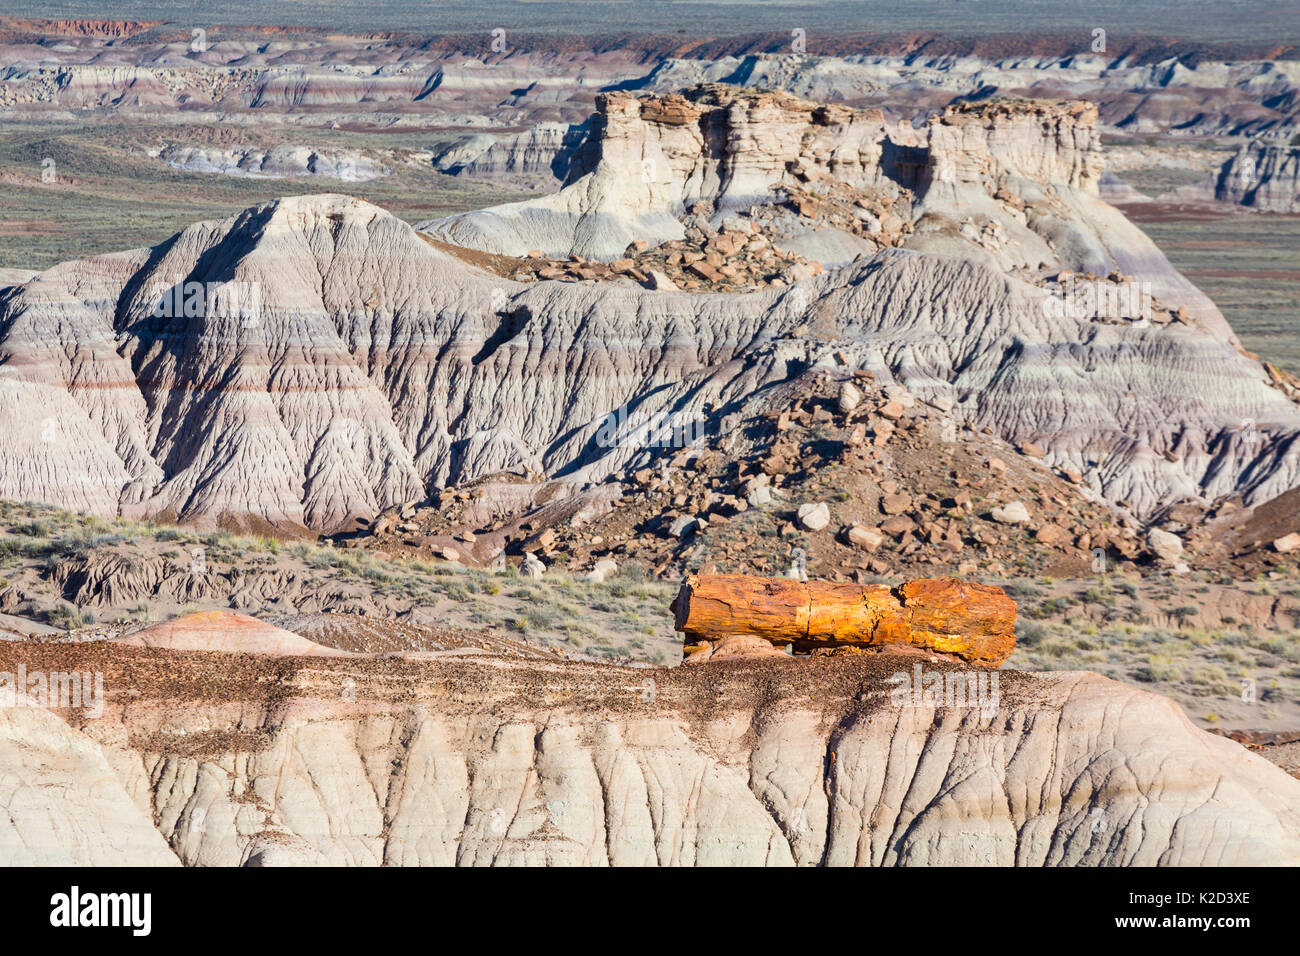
(973, 622)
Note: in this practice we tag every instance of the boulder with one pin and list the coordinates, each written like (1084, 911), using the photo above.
(1165, 545)
(895, 504)
(814, 517)
(868, 539)
(532, 566)
(849, 398)
(1014, 512)
(683, 526)
(899, 393)
(1287, 543)
(604, 568)
(659, 281)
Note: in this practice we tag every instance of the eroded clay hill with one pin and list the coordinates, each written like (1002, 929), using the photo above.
(313, 361)
(228, 759)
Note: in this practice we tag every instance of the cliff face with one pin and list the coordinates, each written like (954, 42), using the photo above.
(547, 153)
(1262, 176)
(1035, 141)
(660, 155)
(60, 802)
(491, 762)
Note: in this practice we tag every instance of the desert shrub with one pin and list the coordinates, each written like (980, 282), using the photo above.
(1030, 633)
(632, 571)
(1020, 589)
(41, 528)
(1156, 635)
(456, 590)
(1158, 669)
(1212, 680)
(65, 615)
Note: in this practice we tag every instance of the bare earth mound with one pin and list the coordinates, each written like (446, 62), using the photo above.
(226, 631)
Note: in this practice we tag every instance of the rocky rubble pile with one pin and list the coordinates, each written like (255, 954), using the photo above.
(843, 478)
(740, 258)
(880, 215)
(743, 253)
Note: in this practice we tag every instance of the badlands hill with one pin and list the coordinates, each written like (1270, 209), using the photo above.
(218, 758)
(1262, 176)
(335, 362)
(1143, 82)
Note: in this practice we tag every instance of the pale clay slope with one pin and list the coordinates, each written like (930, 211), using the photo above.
(377, 367)
(1087, 772)
(61, 804)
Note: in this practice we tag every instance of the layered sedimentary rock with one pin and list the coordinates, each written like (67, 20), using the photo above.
(1167, 92)
(546, 153)
(275, 162)
(1016, 185)
(660, 155)
(339, 364)
(1013, 184)
(1264, 176)
(1147, 84)
(960, 620)
(224, 760)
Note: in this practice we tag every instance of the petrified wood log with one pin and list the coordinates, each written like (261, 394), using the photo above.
(972, 622)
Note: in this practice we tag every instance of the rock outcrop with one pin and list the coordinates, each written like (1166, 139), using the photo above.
(1010, 183)
(277, 162)
(1263, 176)
(548, 153)
(486, 761)
(661, 155)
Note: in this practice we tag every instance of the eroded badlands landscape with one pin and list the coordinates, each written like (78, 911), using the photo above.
(386, 423)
